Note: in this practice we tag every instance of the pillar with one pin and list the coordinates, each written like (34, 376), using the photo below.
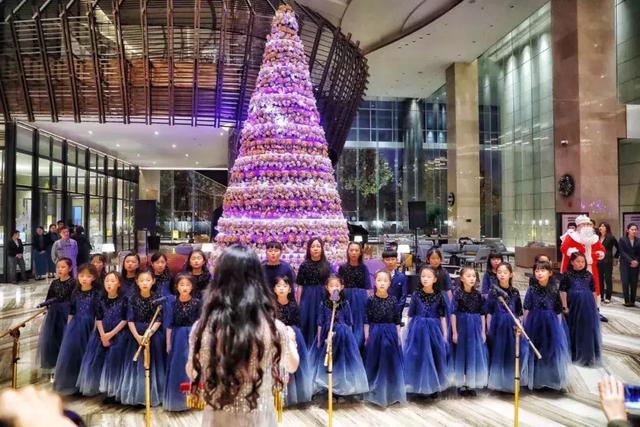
(588, 120)
(463, 152)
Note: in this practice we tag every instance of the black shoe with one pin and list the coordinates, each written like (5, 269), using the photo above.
(109, 400)
(602, 318)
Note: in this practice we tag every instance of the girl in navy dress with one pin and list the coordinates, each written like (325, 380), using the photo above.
(584, 323)
(543, 322)
(100, 263)
(468, 335)
(312, 275)
(81, 323)
(59, 297)
(349, 376)
(434, 258)
(130, 270)
(490, 278)
(111, 314)
(182, 314)
(357, 288)
(300, 386)
(162, 275)
(111, 319)
(425, 348)
(502, 339)
(383, 353)
(141, 308)
(196, 265)
(399, 283)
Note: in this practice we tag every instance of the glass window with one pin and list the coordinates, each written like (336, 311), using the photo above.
(24, 168)
(50, 208)
(56, 149)
(44, 173)
(121, 193)
(77, 210)
(109, 236)
(100, 180)
(82, 185)
(24, 139)
(71, 154)
(96, 222)
(93, 160)
(111, 186)
(44, 145)
(71, 179)
(56, 176)
(23, 215)
(82, 155)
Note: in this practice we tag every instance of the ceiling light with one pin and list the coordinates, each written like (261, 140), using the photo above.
(137, 154)
(155, 132)
(173, 145)
(117, 145)
(197, 163)
(221, 133)
(186, 154)
(90, 132)
(153, 163)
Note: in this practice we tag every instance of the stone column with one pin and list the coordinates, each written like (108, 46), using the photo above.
(463, 153)
(588, 120)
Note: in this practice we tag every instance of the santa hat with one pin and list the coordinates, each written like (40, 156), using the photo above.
(582, 219)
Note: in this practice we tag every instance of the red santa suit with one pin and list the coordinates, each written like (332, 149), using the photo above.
(591, 248)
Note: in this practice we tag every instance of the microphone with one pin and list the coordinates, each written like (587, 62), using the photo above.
(499, 291)
(47, 303)
(335, 296)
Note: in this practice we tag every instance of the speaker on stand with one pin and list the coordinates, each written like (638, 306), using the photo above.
(417, 219)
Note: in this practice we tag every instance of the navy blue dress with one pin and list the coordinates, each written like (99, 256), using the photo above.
(548, 334)
(425, 349)
(182, 316)
(399, 289)
(349, 376)
(300, 386)
(110, 311)
(201, 284)
(129, 286)
(282, 269)
(383, 353)
(312, 276)
(502, 341)
(55, 322)
(75, 340)
(488, 281)
(357, 282)
(585, 337)
(470, 360)
(163, 284)
(140, 312)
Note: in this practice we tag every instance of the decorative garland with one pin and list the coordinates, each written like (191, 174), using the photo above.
(566, 185)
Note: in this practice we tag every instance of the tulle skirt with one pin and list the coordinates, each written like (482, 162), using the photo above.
(300, 386)
(470, 353)
(548, 334)
(502, 349)
(310, 301)
(51, 334)
(584, 329)
(358, 301)
(114, 361)
(349, 376)
(91, 368)
(131, 391)
(384, 365)
(174, 399)
(425, 357)
(72, 349)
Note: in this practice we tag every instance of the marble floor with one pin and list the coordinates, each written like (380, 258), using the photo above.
(579, 406)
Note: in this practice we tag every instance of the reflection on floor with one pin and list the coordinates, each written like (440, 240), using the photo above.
(578, 407)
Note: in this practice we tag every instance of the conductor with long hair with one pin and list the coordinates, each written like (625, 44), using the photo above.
(238, 351)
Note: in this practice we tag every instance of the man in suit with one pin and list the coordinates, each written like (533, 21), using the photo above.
(15, 253)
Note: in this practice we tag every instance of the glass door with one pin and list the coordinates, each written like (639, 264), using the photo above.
(77, 210)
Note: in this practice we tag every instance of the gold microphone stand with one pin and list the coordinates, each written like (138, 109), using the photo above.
(328, 362)
(14, 331)
(516, 369)
(147, 365)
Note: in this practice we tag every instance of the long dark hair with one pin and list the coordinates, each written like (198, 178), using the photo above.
(187, 264)
(123, 270)
(493, 255)
(437, 287)
(286, 280)
(325, 267)
(237, 304)
(360, 258)
(606, 226)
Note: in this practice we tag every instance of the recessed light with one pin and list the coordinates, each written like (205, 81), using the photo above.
(173, 145)
(153, 163)
(90, 132)
(221, 133)
(186, 154)
(137, 154)
(155, 132)
(197, 163)
(117, 145)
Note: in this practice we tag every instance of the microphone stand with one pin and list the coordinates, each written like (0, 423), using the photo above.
(14, 331)
(328, 362)
(147, 365)
(516, 371)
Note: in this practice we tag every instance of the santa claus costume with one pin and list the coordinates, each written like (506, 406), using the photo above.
(586, 241)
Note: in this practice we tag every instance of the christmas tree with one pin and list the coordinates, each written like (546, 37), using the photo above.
(282, 186)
